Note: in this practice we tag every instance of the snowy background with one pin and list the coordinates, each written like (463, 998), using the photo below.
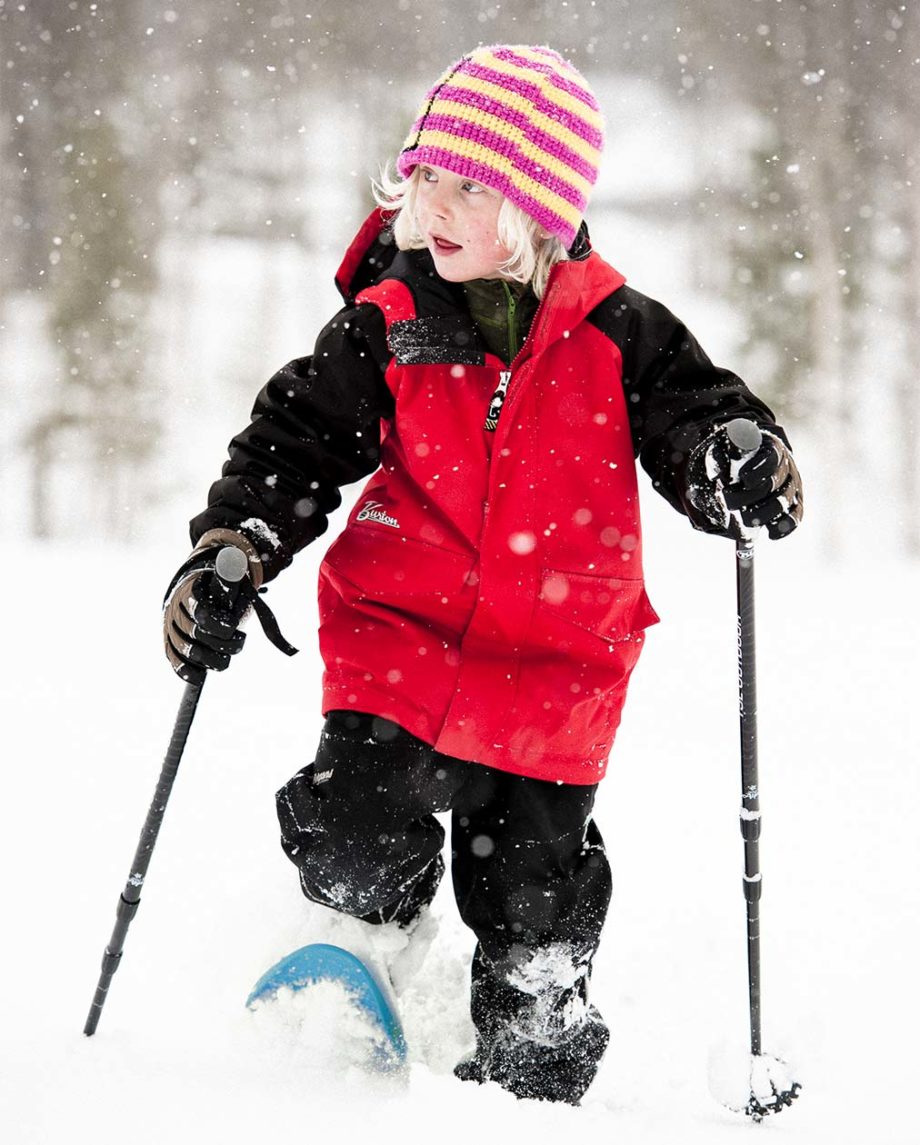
(115, 405)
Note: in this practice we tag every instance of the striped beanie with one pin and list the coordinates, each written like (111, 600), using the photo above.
(520, 120)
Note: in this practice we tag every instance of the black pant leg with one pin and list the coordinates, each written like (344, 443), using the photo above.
(358, 822)
(532, 881)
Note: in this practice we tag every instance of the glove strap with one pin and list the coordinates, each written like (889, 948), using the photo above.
(267, 619)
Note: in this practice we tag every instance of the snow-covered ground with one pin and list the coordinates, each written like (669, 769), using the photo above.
(88, 708)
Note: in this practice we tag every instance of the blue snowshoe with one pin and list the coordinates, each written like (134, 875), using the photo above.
(320, 962)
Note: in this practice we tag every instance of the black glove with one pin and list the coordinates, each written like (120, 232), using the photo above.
(731, 497)
(201, 614)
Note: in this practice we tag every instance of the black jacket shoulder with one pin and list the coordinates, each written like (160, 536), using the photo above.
(676, 397)
(315, 427)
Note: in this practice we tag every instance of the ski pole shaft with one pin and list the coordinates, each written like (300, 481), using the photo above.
(231, 567)
(130, 897)
(745, 437)
(750, 793)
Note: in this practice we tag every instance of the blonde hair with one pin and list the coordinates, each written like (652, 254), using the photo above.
(533, 253)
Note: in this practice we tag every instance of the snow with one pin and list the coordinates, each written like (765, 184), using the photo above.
(89, 707)
(319, 1023)
(542, 974)
(735, 1076)
(258, 528)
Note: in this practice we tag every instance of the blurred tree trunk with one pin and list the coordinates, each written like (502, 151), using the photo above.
(828, 334)
(905, 100)
(908, 384)
(90, 199)
(807, 260)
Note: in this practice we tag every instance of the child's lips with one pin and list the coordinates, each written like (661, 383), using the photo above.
(444, 246)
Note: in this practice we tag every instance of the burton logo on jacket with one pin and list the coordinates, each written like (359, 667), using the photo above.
(374, 511)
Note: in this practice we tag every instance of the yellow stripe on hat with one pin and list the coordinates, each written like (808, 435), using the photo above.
(556, 95)
(478, 153)
(516, 135)
(539, 119)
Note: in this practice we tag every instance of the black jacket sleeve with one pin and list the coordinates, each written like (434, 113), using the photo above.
(675, 395)
(315, 427)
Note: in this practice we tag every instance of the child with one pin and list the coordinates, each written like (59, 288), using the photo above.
(484, 607)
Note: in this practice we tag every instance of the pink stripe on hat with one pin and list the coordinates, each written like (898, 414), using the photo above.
(543, 139)
(509, 150)
(536, 93)
(578, 89)
(552, 221)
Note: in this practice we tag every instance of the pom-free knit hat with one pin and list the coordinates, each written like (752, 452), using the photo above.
(520, 120)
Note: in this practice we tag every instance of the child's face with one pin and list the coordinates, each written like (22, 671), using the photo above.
(458, 219)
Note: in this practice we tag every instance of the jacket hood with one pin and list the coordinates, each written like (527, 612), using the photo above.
(369, 254)
(575, 286)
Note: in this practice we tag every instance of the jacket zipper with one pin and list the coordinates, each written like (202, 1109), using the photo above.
(498, 398)
(504, 378)
(512, 328)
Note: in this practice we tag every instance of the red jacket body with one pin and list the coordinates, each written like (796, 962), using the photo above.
(487, 591)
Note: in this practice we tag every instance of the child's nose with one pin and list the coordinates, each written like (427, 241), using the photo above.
(440, 202)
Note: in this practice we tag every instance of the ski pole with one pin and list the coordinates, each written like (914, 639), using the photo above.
(745, 437)
(231, 565)
(769, 1076)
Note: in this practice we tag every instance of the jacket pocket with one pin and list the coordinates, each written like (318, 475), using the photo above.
(610, 608)
(585, 638)
(390, 566)
(395, 586)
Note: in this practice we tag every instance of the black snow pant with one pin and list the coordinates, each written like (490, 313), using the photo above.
(530, 877)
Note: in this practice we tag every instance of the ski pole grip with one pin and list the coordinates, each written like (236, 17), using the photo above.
(744, 437)
(231, 564)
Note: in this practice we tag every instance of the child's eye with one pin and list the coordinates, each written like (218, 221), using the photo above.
(428, 175)
(474, 188)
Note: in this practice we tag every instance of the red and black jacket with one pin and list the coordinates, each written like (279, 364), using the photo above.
(487, 591)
